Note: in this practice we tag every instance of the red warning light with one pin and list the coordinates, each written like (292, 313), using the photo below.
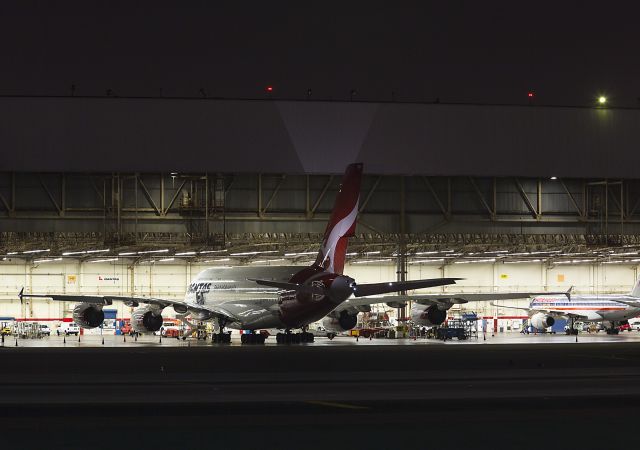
(269, 89)
(530, 95)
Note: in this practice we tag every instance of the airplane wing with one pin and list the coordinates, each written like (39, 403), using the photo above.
(552, 312)
(360, 290)
(632, 303)
(444, 299)
(179, 306)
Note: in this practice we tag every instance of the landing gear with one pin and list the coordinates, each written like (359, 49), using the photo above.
(221, 337)
(294, 338)
(252, 338)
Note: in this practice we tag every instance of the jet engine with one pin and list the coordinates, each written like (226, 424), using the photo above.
(146, 318)
(341, 321)
(541, 321)
(87, 315)
(428, 317)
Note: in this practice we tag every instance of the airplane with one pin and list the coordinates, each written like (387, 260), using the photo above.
(429, 310)
(282, 297)
(611, 309)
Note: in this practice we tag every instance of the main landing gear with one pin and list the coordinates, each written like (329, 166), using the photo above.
(221, 337)
(294, 338)
(613, 329)
(252, 338)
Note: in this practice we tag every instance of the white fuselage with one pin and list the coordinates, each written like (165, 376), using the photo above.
(594, 308)
(229, 289)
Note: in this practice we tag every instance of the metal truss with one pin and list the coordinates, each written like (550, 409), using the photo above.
(209, 209)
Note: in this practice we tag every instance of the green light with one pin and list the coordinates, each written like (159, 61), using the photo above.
(602, 99)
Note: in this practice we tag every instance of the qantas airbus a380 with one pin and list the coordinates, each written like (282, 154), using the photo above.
(282, 297)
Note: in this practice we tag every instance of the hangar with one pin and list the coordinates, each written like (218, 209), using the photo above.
(134, 196)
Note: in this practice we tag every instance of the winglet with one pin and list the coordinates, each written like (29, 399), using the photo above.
(568, 293)
(21, 294)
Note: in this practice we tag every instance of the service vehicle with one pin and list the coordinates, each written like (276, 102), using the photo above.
(45, 330)
(68, 328)
(169, 328)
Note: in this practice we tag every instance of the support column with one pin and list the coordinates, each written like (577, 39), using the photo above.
(401, 268)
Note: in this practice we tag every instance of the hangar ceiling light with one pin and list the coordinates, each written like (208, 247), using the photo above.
(39, 261)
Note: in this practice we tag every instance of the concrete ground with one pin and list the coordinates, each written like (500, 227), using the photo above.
(529, 392)
(154, 341)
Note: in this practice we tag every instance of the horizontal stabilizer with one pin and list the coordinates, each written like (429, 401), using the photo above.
(364, 290)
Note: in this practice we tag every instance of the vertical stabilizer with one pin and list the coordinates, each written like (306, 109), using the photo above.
(342, 223)
(636, 289)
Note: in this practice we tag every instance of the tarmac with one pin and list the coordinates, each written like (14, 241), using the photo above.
(512, 390)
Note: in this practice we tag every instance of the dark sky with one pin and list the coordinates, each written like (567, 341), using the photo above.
(460, 51)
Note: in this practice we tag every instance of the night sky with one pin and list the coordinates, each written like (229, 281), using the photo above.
(568, 52)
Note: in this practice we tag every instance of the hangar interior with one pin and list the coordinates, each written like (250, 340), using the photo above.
(148, 232)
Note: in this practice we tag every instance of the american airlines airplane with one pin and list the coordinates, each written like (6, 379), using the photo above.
(612, 309)
(252, 298)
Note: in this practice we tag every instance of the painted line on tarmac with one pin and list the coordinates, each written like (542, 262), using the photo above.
(336, 405)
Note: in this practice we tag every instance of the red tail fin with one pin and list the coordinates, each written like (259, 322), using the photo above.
(342, 223)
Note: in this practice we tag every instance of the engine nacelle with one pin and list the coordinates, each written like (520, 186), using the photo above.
(541, 321)
(146, 319)
(429, 317)
(342, 321)
(87, 315)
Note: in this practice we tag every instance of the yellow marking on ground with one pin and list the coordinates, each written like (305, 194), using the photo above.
(336, 405)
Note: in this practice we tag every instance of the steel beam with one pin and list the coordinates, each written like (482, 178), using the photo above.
(147, 195)
(571, 198)
(274, 193)
(50, 195)
(525, 198)
(492, 213)
(363, 204)
(445, 211)
(175, 196)
(321, 196)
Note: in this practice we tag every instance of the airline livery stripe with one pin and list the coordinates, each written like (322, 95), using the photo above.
(560, 308)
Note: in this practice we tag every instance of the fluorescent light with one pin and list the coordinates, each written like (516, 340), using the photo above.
(497, 251)
(377, 252)
(166, 260)
(217, 260)
(352, 254)
(165, 250)
(300, 253)
(127, 254)
(204, 252)
(185, 254)
(103, 260)
(472, 261)
(369, 261)
(523, 261)
(72, 253)
(426, 261)
(12, 253)
(37, 251)
(37, 261)
(253, 253)
(98, 251)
